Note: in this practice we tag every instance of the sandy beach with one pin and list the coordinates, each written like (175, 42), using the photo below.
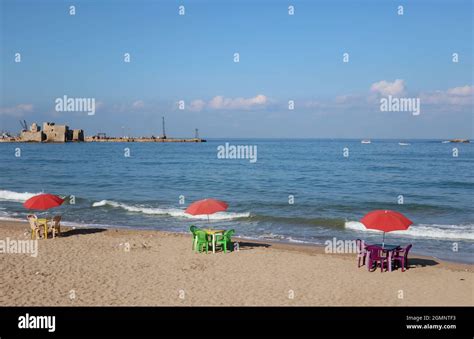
(91, 266)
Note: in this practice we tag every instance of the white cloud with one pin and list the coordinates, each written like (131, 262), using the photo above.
(462, 91)
(17, 111)
(222, 103)
(138, 104)
(458, 96)
(197, 105)
(386, 88)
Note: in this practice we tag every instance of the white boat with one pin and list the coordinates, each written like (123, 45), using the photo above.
(366, 142)
(445, 142)
(403, 143)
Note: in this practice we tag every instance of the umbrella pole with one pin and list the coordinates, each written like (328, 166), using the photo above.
(383, 240)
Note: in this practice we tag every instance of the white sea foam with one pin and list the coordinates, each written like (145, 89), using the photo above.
(434, 231)
(64, 223)
(174, 212)
(279, 237)
(8, 218)
(15, 196)
(271, 235)
(100, 203)
(290, 239)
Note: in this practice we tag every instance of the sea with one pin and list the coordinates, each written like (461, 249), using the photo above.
(302, 191)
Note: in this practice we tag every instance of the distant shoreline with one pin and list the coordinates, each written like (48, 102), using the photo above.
(91, 139)
(199, 140)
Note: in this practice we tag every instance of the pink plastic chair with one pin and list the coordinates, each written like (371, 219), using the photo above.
(361, 252)
(401, 257)
(375, 255)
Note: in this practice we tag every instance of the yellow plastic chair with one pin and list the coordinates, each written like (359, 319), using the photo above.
(35, 229)
(56, 225)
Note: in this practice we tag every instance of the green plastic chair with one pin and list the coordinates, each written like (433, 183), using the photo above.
(225, 241)
(193, 230)
(201, 240)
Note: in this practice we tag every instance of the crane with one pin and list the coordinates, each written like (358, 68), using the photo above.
(24, 125)
(163, 136)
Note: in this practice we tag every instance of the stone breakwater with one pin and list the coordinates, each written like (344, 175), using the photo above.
(142, 139)
(111, 139)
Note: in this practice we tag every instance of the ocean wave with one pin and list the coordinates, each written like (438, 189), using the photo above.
(8, 214)
(433, 231)
(297, 241)
(270, 236)
(15, 196)
(11, 217)
(356, 207)
(173, 212)
(323, 222)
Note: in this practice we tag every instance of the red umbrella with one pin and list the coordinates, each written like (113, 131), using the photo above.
(386, 221)
(206, 206)
(43, 202)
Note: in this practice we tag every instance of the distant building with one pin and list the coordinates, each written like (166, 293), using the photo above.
(55, 133)
(33, 135)
(34, 127)
(77, 135)
(51, 133)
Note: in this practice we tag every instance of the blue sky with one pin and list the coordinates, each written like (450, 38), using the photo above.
(282, 58)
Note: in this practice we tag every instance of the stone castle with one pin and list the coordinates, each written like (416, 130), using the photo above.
(51, 133)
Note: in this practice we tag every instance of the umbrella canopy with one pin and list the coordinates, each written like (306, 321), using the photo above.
(206, 206)
(43, 202)
(386, 221)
